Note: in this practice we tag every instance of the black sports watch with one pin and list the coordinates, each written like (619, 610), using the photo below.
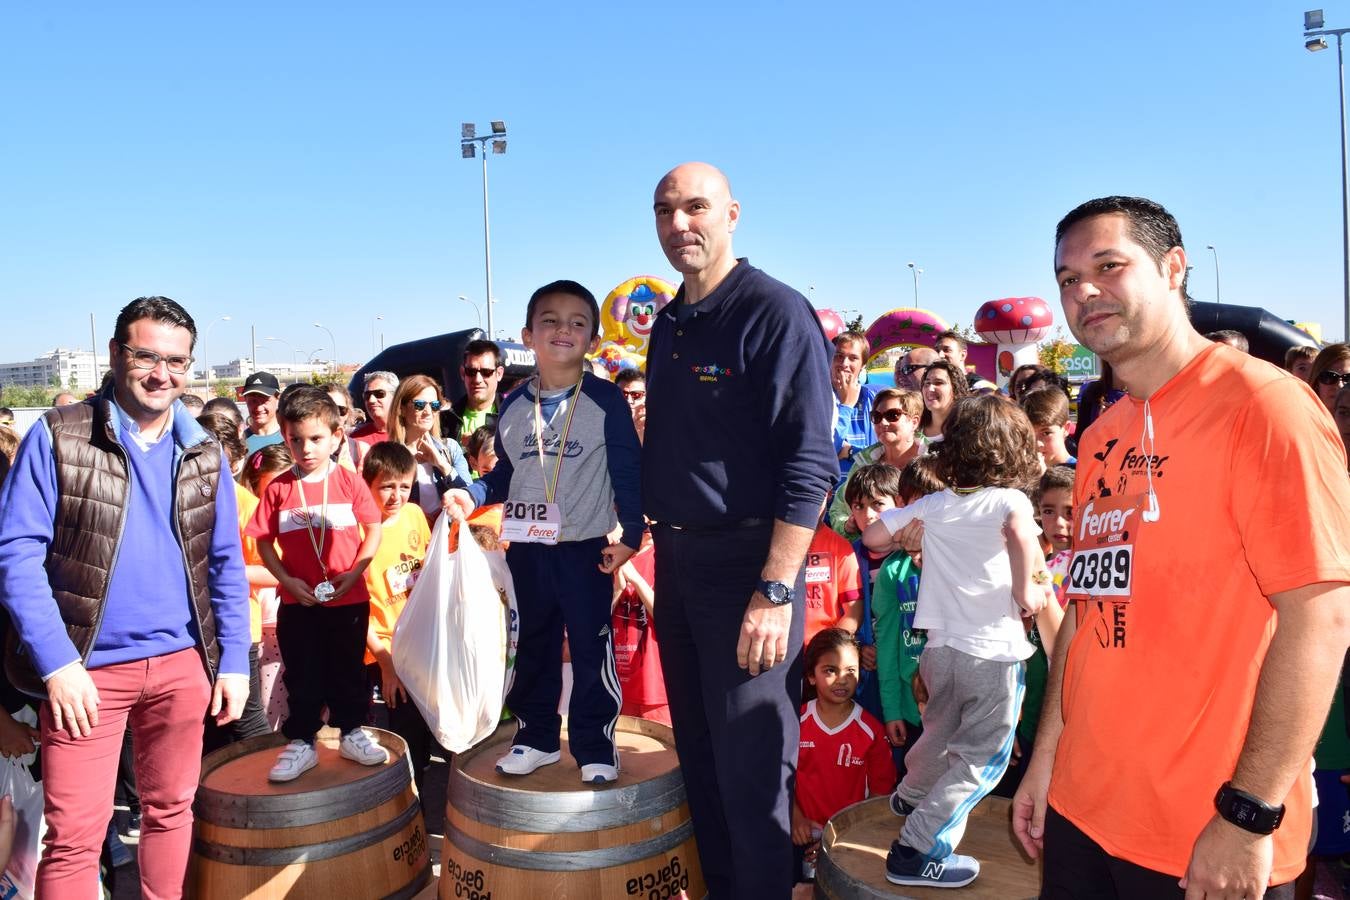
(1246, 811)
(775, 592)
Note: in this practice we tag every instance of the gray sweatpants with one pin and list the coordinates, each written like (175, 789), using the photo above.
(967, 740)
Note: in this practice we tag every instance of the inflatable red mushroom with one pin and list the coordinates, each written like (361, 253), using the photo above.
(1015, 324)
(831, 323)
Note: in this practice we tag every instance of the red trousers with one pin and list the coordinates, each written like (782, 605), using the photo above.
(164, 699)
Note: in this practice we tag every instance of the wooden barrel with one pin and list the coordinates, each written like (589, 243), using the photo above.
(339, 830)
(547, 835)
(852, 859)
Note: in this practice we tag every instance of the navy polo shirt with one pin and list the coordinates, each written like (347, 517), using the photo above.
(740, 412)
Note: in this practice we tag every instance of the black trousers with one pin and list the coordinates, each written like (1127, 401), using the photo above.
(251, 723)
(323, 649)
(736, 736)
(1077, 868)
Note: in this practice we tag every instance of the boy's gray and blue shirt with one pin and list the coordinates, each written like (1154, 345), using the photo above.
(601, 482)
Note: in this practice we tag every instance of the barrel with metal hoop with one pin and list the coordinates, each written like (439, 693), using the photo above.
(548, 835)
(339, 830)
(852, 859)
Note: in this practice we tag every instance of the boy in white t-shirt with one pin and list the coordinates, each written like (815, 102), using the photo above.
(982, 569)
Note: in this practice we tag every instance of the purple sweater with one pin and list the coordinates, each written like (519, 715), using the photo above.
(147, 610)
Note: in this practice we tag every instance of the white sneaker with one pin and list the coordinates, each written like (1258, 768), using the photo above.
(599, 773)
(523, 760)
(296, 759)
(358, 746)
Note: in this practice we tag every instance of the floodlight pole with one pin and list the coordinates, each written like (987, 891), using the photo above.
(1345, 177)
(468, 139)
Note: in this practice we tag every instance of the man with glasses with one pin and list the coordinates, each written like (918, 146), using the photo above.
(1211, 607)
(910, 367)
(121, 568)
(377, 395)
(261, 390)
(633, 384)
(482, 372)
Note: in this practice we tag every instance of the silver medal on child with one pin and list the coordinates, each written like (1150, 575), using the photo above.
(324, 591)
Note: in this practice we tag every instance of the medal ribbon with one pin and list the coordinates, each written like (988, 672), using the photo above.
(323, 511)
(551, 488)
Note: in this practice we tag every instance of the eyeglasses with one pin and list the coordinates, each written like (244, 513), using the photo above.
(420, 405)
(484, 374)
(911, 368)
(377, 393)
(634, 395)
(1329, 377)
(890, 415)
(148, 359)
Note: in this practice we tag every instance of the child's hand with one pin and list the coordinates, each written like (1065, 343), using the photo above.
(867, 655)
(390, 685)
(344, 583)
(16, 738)
(897, 733)
(909, 538)
(802, 826)
(614, 556)
(300, 591)
(458, 504)
(920, 691)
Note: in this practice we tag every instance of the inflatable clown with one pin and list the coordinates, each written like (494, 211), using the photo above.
(626, 320)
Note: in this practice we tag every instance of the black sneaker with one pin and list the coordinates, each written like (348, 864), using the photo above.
(899, 806)
(916, 870)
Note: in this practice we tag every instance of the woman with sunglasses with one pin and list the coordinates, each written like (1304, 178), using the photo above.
(943, 384)
(1330, 372)
(415, 422)
(895, 418)
(378, 395)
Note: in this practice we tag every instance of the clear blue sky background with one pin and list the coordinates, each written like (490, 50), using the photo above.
(287, 163)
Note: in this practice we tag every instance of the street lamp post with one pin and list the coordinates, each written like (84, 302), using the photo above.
(206, 356)
(476, 311)
(373, 348)
(916, 272)
(1313, 31)
(334, 342)
(468, 137)
(1218, 298)
(293, 351)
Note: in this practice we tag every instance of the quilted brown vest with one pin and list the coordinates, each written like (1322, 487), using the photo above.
(92, 486)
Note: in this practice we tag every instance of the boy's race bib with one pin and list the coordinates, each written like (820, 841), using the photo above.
(531, 523)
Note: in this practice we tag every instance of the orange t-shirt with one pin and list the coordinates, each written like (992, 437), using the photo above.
(831, 580)
(1249, 475)
(394, 569)
(247, 504)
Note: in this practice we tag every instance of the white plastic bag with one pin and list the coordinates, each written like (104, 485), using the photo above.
(452, 640)
(16, 781)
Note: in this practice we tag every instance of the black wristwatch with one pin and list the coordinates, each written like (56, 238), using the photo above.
(1246, 811)
(775, 592)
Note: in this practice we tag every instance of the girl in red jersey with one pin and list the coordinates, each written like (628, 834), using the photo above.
(843, 756)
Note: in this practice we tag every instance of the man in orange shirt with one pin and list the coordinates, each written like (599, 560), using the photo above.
(1210, 570)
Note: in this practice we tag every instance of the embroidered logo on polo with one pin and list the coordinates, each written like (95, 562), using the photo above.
(711, 373)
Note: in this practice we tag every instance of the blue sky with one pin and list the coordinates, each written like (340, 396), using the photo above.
(288, 163)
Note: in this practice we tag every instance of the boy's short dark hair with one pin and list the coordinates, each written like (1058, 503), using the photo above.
(628, 376)
(1291, 356)
(855, 338)
(479, 347)
(920, 477)
(564, 286)
(1056, 478)
(951, 334)
(482, 436)
(310, 402)
(1046, 408)
(387, 459)
(876, 480)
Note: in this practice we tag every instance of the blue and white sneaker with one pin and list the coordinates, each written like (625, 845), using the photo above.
(907, 866)
(522, 760)
(599, 773)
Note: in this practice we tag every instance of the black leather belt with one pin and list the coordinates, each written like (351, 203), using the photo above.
(721, 526)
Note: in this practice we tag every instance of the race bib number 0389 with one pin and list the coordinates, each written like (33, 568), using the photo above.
(1101, 573)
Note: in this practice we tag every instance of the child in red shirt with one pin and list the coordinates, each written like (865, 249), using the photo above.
(322, 518)
(843, 756)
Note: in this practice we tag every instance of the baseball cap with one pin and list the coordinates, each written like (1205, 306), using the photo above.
(262, 383)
